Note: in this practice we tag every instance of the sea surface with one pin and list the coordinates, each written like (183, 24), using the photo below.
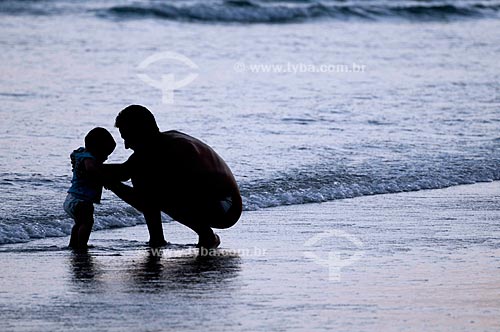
(307, 101)
(413, 261)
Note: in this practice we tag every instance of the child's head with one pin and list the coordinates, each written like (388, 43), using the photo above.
(100, 143)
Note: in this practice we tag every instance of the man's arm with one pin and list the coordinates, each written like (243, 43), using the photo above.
(116, 172)
(94, 169)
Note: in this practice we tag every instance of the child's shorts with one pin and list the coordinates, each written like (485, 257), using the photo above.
(77, 207)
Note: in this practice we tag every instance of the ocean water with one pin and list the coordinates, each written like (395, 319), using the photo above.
(413, 261)
(307, 101)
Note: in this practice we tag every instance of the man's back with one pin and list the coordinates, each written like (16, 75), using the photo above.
(175, 163)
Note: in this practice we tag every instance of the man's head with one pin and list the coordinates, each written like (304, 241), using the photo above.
(137, 125)
(100, 143)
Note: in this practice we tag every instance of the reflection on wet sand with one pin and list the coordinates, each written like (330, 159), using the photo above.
(153, 271)
(186, 271)
(85, 271)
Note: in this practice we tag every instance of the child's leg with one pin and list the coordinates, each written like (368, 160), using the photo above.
(73, 240)
(84, 220)
(70, 206)
(84, 231)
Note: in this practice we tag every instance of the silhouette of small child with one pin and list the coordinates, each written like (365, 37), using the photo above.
(87, 183)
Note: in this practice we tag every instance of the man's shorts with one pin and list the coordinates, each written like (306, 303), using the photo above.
(217, 213)
(77, 207)
(226, 204)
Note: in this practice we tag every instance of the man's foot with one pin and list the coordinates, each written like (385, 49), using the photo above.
(157, 243)
(212, 244)
(80, 249)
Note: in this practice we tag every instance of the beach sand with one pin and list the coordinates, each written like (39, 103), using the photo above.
(416, 261)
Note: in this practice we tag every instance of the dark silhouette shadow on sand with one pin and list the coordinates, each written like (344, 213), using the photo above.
(180, 268)
(166, 270)
(85, 271)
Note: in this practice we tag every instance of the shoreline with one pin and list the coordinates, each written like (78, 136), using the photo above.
(424, 260)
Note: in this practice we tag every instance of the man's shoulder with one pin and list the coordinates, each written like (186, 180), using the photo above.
(177, 139)
(175, 134)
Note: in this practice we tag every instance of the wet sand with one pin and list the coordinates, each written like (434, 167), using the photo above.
(418, 261)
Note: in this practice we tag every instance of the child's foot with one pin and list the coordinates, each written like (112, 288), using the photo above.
(211, 244)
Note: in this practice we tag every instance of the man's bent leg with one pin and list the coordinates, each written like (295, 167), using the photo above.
(201, 216)
(187, 216)
(155, 228)
(126, 193)
(152, 216)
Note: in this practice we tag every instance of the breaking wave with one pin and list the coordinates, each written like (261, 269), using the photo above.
(297, 11)
(260, 11)
(39, 214)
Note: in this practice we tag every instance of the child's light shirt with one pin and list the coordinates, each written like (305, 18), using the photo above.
(83, 186)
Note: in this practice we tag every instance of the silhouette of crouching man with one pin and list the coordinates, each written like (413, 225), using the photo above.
(174, 173)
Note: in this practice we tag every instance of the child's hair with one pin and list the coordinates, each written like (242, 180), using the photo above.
(100, 140)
